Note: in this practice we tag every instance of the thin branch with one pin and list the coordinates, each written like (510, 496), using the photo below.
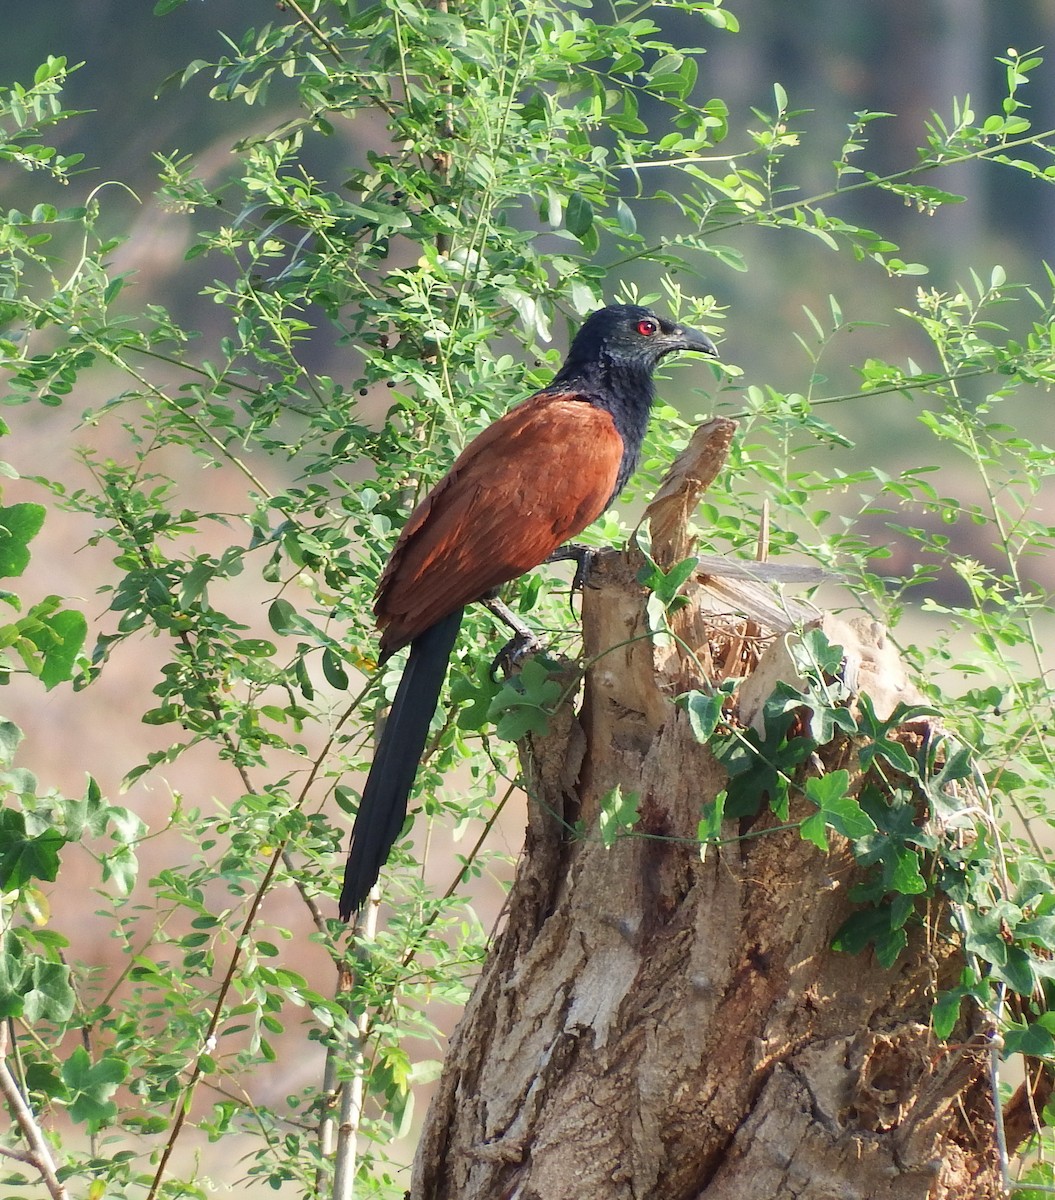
(183, 1103)
(280, 855)
(875, 181)
(116, 360)
(39, 1154)
(316, 32)
(353, 1093)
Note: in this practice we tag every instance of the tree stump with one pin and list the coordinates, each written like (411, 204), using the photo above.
(654, 1021)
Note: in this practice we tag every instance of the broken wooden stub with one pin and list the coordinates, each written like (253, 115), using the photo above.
(656, 1023)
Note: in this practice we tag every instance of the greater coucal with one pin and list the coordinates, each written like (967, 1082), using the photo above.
(536, 477)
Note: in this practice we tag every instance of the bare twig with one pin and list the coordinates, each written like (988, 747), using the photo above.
(354, 1089)
(39, 1154)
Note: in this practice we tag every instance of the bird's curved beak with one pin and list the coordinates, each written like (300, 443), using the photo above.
(683, 338)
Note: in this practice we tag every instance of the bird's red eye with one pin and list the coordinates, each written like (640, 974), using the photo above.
(647, 328)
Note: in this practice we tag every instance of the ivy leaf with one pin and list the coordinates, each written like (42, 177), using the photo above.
(958, 764)
(12, 973)
(814, 655)
(814, 829)
(525, 702)
(24, 856)
(879, 927)
(619, 815)
(704, 710)
(49, 996)
(988, 935)
(1041, 1174)
(91, 1085)
(892, 844)
(710, 826)
(904, 874)
(122, 866)
(59, 638)
(474, 698)
(10, 736)
(946, 1012)
(1032, 1039)
(665, 585)
(840, 810)
(758, 769)
(825, 720)
(19, 524)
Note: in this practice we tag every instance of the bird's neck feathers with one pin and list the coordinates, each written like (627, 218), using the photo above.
(623, 387)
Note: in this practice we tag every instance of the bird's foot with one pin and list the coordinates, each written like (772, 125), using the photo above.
(584, 557)
(522, 643)
(513, 653)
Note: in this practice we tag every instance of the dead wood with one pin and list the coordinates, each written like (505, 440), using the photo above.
(653, 1022)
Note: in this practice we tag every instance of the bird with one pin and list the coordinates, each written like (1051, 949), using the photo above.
(539, 475)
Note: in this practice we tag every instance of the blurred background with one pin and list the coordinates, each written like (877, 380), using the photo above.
(833, 58)
(905, 57)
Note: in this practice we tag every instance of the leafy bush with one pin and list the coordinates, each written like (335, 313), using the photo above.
(501, 188)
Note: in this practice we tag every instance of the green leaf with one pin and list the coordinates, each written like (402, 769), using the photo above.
(839, 810)
(333, 670)
(524, 703)
(878, 927)
(10, 736)
(946, 1012)
(49, 996)
(282, 616)
(60, 641)
(23, 856)
(1041, 1174)
(619, 814)
(1032, 1039)
(705, 711)
(254, 647)
(710, 826)
(121, 866)
(665, 585)
(814, 655)
(12, 973)
(91, 1085)
(826, 790)
(814, 829)
(474, 697)
(578, 215)
(905, 874)
(19, 524)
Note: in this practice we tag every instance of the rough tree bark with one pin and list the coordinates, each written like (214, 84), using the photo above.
(657, 1023)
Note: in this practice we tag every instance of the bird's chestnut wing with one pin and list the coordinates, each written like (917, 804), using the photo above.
(536, 477)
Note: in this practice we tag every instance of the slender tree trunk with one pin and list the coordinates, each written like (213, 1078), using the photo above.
(657, 1023)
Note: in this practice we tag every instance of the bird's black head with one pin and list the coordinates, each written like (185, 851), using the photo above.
(631, 336)
(610, 365)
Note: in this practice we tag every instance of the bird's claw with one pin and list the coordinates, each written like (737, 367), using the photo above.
(513, 654)
(584, 564)
(584, 558)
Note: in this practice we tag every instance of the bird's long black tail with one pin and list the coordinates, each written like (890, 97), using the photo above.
(384, 804)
